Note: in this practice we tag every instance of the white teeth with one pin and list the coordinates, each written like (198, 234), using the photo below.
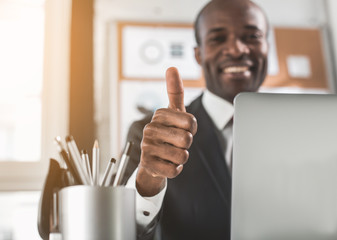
(235, 69)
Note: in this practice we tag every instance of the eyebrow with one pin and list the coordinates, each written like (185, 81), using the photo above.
(221, 29)
(253, 27)
(215, 30)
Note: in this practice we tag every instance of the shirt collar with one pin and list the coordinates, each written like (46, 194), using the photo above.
(219, 110)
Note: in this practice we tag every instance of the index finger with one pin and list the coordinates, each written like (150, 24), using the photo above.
(175, 89)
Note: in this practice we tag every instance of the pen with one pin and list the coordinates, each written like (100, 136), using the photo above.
(122, 164)
(75, 154)
(86, 164)
(70, 164)
(95, 163)
(108, 172)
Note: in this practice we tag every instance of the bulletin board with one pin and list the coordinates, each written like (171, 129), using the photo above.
(302, 50)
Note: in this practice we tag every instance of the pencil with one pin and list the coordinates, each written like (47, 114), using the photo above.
(75, 154)
(95, 163)
(70, 164)
(86, 164)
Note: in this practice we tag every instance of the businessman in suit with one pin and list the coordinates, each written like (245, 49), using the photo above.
(184, 155)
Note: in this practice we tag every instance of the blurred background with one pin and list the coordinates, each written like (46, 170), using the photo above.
(90, 67)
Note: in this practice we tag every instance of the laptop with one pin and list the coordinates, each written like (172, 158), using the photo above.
(284, 167)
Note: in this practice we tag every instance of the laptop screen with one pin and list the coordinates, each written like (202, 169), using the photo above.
(284, 167)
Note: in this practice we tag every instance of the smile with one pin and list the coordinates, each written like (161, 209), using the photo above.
(235, 69)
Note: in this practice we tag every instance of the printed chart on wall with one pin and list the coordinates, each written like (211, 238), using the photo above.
(146, 51)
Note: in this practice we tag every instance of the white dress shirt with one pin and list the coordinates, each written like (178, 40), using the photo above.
(221, 112)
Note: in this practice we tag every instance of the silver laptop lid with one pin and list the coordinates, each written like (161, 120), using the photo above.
(284, 167)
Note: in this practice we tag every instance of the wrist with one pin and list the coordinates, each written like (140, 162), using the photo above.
(148, 185)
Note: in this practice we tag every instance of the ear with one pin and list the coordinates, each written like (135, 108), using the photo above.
(197, 55)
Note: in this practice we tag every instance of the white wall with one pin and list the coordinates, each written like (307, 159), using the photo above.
(285, 12)
(296, 13)
(149, 10)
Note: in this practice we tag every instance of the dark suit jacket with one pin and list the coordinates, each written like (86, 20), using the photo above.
(197, 202)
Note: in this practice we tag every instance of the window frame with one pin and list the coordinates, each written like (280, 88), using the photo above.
(17, 176)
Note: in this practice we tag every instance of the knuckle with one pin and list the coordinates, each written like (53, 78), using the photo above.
(193, 124)
(150, 130)
(181, 156)
(159, 114)
(184, 156)
(147, 130)
(190, 119)
(190, 123)
(187, 139)
(145, 146)
(160, 111)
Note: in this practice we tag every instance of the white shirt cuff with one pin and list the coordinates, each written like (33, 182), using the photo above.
(146, 207)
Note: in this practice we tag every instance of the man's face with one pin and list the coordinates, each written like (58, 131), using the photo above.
(233, 48)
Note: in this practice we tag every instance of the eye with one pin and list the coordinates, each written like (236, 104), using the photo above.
(217, 39)
(252, 37)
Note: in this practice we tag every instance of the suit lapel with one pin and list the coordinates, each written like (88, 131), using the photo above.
(209, 151)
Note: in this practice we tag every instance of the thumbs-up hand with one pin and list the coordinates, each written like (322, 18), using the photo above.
(166, 140)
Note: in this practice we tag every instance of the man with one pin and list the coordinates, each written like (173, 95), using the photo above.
(232, 51)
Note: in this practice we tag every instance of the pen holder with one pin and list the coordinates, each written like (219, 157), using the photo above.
(97, 213)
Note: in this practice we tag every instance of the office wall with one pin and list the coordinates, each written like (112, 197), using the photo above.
(285, 12)
(296, 13)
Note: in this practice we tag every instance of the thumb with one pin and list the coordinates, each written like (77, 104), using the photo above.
(175, 89)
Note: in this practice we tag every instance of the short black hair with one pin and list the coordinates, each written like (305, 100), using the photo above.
(197, 20)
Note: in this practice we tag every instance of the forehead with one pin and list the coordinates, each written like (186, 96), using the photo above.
(231, 17)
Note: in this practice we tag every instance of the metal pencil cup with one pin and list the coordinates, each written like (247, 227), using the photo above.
(97, 213)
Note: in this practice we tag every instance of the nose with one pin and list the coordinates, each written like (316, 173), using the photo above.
(235, 48)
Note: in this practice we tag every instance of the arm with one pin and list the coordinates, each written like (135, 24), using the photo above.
(147, 210)
(162, 153)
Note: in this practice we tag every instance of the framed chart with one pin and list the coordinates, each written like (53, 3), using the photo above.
(147, 50)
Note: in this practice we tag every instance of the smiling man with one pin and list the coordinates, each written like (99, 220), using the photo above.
(183, 179)
(232, 47)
